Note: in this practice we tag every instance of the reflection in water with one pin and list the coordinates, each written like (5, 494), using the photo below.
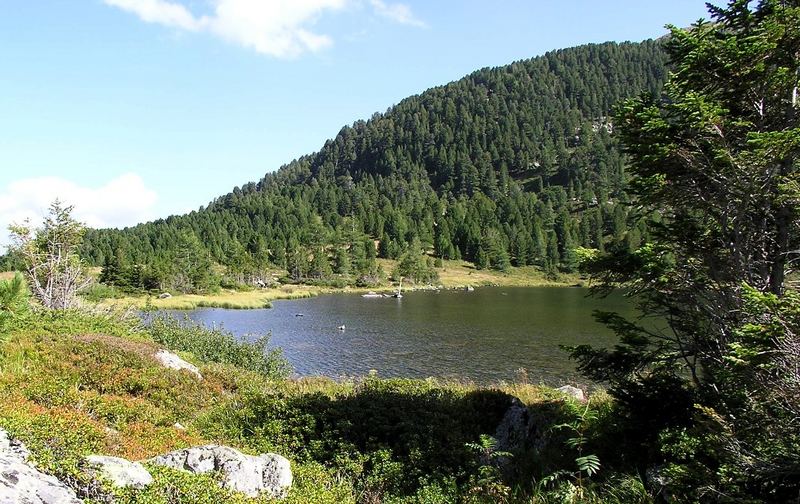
(485, 335)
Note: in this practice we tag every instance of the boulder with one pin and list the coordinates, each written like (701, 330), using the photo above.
(573, 392)
(512, 431)
(267, 474)
(172, 361)
(521, 430)
(118, 471)
(20, 482)
(164, 295)
(12, 447)
(659, 484)
(511, 435)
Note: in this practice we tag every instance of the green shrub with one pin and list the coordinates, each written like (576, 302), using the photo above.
(172, 486)
(316, 483)
(75, 322)
(216, 345)
(57, 438)
(385, 436)
(97, 292)
(14, 297)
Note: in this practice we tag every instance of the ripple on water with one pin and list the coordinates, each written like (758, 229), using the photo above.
(484, 336)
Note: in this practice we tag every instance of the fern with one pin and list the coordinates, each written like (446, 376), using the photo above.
(586, 465)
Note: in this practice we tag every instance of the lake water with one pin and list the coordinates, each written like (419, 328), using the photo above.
(486, 335)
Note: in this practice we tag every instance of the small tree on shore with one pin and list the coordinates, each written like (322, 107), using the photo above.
(52, 266)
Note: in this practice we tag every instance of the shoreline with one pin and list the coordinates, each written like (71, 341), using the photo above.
(454, 275)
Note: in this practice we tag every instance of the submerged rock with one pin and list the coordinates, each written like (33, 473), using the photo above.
(120, 472)
(20, 482)
(172, 361)
(268, 474)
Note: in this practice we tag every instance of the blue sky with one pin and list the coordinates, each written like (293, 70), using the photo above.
(137, 109)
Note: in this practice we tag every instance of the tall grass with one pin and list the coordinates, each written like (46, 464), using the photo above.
(217, 345)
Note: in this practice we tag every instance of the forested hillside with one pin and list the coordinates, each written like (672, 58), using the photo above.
(510, 165)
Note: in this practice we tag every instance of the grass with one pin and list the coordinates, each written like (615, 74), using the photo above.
(455, 274)
(232, 299)
(452, 275)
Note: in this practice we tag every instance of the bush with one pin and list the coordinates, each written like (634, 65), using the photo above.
(383, 435)
(175, 486)
(216, 345)
(57, 438)
(75, 322)
(96, 292)
(13, 300)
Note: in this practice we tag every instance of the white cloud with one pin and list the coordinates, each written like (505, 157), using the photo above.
(123, 201)
(275, 28)
(280, 28)
(398, 12)
(159, 11)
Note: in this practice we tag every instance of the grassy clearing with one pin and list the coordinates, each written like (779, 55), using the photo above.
(455, 274)
(261, 298)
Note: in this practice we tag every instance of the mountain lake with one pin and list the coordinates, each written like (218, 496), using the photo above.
(486, 335)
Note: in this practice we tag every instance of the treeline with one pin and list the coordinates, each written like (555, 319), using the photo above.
(514, 165)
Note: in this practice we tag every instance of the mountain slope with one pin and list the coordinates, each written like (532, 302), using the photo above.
(514, 163)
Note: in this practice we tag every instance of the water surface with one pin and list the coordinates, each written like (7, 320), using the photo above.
(486, 335)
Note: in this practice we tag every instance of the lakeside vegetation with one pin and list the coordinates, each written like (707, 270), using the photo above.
(452, 275)
(76, 383)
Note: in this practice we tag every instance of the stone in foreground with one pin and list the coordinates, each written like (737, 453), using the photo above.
(120, 472)
(172, 361)
(574, 392)
(268, 474)
(20, 482)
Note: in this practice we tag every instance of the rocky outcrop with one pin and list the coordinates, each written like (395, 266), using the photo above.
(573, 392)
(21, 482)
(172, 361)
(268, 474)
(118, 471)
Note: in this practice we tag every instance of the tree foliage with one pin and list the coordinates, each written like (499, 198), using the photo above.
(493, 164)
(49, 254)
(715, 158)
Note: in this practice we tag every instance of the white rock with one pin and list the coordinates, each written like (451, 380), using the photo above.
(267, 474)
(574, 392)
(172, 361)
(122, 473)
(20, 482)
(12, 447)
